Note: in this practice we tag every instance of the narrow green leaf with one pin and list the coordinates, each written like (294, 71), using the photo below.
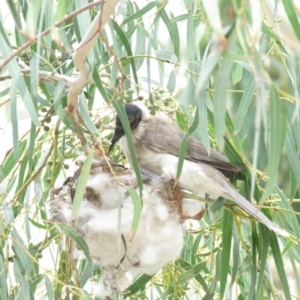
(221, 84)
(217, 204)
(57, 98)
(82, 23)
(82, 20)
(32, 143)
(208, 65)
(82, 181)
(17, 16)
(235, 255)
(233, 150)
(296, 274)
(3, 278)
(172, 29)
(87, 272)
(292, 153)
(76, 236)
(10, 160)
(5, 92)
(37, 225)
(252, 292)
(279, 265)
(151, 81)
(266, 30)
(197, 277)
(86, 295)
(8, 213)
(293, 185)
(127, 46)
(195, 249)
(184, 143)
(141, 12)
(226, 250)
(181, 18)
(137, 285)
(237, 73)
(176, 38)
(48, 22)
(14, 120)
(295, 122)
(24, 291)
(22, 177)
(84, 113)
(192, 272)
(293, 252)
(263, 252)
(125, 124)
(100, 86)
(117, 48)
(16, 75)
(277, 134)
(244, 104)
(50, 293)
(21, 251)
(203, 120)
(211, 291)
(256, 18)
(61, 9)
(166, 56)
(290, 217)
(291, 13)
(32, 17)
(213, 15)
(172, 81)
(186, 253)
(137, 208)
(140, 47)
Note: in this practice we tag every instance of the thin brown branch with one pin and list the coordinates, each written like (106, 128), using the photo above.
(84, 76)
(47, 31)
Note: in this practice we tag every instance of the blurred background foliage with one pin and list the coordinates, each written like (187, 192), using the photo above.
(233, 63)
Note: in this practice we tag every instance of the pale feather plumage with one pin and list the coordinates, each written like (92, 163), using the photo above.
(159, 237)
(157, 144)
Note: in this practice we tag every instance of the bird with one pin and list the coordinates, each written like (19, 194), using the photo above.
(157, 144)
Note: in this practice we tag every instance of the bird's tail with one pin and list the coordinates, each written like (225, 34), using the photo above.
(253, 211)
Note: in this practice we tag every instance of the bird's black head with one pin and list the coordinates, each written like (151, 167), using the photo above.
(134, 114)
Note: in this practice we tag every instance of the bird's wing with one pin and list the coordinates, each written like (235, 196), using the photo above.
(162, 136)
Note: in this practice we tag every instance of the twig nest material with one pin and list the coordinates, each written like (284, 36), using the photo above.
(158, 239)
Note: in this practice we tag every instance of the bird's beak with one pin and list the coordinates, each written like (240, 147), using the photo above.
(134, 115)
(119, 132)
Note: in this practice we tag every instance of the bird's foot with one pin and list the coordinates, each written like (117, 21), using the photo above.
(175, 183)
(197, 217)
(178, 199)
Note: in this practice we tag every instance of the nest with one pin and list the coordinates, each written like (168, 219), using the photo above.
(105, 218)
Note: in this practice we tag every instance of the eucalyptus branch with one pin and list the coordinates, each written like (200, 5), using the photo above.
(49, 75)
(47, 31)
(84, 76)
(55, 143)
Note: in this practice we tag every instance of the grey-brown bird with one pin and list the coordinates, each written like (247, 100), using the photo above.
(157, 145)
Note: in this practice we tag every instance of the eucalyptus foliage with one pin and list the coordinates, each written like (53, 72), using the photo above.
(225, 71)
